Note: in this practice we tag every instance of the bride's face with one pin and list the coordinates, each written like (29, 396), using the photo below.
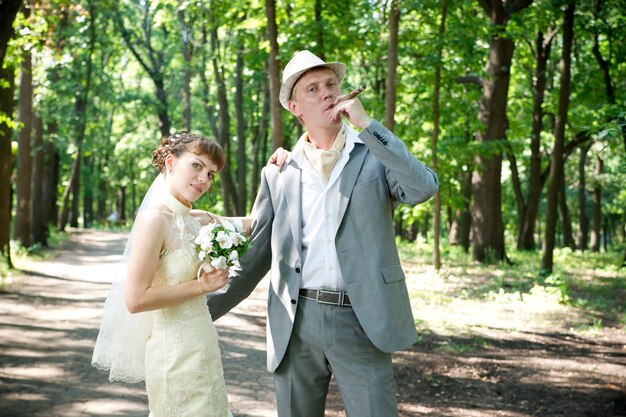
(189, 176)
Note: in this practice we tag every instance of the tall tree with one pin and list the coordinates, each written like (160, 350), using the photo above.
(435, 136)
(7, 17)
(319, 29)
(582, 238)
(80, 106)
(556, 166)
(153, 60)
(7, 78)
(187, 48)
(273, 70)
(487, 226)
(37, 219)
(529, 207)
(566, 219)
(241, 130)
(392, 66)
(229, 193)
(21, 224)
(596, 228)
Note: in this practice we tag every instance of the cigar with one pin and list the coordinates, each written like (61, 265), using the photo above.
(352, 94)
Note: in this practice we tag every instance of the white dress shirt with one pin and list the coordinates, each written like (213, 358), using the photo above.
(320, 201)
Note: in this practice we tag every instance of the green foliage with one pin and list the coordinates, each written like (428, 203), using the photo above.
(4, 272)
(122, 127)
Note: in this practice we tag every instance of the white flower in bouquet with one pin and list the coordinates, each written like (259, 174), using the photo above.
(221, 245)
(219, 262)
(224, 239)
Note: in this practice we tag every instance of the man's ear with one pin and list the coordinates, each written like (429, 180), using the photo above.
(294, 108)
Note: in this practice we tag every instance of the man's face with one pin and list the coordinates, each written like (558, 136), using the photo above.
(313, 96)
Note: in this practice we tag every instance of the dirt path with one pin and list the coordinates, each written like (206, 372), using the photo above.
(49, 320)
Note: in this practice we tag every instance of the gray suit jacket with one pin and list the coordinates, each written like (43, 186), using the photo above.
(380, 173)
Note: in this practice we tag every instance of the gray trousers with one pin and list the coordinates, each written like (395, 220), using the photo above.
(328, 340)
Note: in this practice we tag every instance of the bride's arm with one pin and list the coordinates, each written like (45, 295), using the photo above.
(151, 228)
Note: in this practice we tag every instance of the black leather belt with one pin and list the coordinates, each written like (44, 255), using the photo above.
(330, 297)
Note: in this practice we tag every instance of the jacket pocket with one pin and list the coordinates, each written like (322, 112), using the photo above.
(392, 273)
(365, 185)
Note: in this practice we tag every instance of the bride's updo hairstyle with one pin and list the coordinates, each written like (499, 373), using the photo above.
(182, 142)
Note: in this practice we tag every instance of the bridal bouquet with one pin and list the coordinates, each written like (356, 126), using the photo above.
(221, 245)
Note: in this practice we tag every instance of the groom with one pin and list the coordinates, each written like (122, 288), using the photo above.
(338, 303)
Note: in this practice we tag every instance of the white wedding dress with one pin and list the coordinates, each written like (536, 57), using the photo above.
(183, 367)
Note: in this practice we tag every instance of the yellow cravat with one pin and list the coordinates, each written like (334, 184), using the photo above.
(321, 160)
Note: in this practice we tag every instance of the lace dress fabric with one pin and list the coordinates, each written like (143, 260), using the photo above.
(183, 368)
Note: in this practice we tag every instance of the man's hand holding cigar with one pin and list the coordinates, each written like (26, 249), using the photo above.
(348, 106)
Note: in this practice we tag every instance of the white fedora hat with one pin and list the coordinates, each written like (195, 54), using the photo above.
(300, 63)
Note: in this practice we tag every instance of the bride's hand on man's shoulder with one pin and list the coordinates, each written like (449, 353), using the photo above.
(279, 157)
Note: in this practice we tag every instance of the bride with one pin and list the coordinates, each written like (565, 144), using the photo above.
(156, 326)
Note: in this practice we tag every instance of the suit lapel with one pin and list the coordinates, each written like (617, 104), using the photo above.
(348, 177)
(292, 184)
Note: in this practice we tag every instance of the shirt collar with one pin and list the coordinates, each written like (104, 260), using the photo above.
(352, 137)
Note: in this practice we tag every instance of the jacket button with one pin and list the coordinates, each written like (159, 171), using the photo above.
(297, 270)
(293, 301)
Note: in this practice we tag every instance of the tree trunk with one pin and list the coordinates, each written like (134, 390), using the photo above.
(154, 70)
(162, 107)
(187, 48)
(273, 68)
(460, 228)
(556, 169)
(24, 158)
(624, 242)
(9, 12)
(486, 209)
(229, 194)
(528, 217)
(121, 203)
(319, 29)
(37, 219)
(597, 208)
(242, 163)
(88, 216)
(487, 228)
(260, 143)
(206, 87)
(582, 238)
(566, 221)
(101, 196)
(65, 200)
(51, 180)
(436, 117)
(75, 209)
(81, 113)
(392, 65)
(7, 85)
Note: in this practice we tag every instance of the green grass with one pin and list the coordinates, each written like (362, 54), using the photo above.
(584, 293)
(470, 345)
(38, 252)
(5, 274)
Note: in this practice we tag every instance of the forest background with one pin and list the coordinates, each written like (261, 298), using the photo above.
(518, 105)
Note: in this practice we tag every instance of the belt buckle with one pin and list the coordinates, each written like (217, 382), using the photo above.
(339, 301)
